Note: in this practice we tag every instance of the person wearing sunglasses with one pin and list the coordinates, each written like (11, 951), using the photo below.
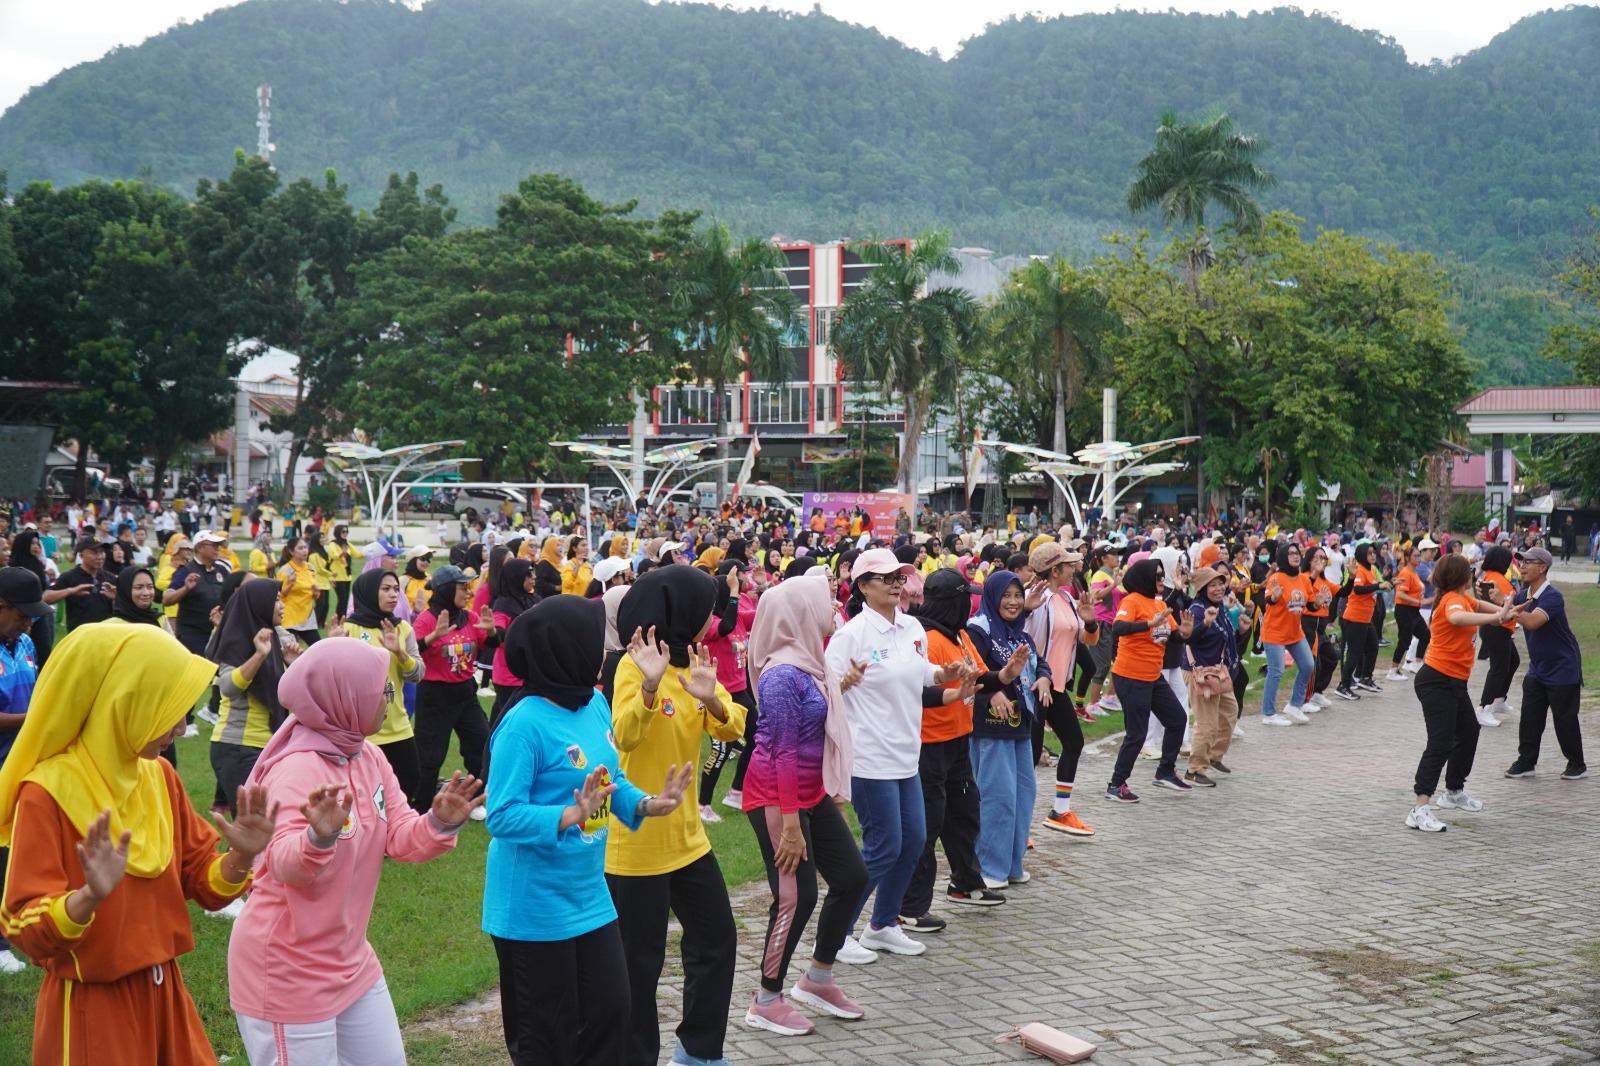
(881, 659)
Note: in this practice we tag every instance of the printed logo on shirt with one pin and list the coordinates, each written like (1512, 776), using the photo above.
(611, 738)
(917, 644)
(667, 709)
(350, 826)
(881, 655)
(595, 827)
(380, 803)
(576, 756)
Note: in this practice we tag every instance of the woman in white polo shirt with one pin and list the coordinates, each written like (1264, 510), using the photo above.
(881, 659)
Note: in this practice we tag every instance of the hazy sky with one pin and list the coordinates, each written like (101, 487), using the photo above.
(39, 38)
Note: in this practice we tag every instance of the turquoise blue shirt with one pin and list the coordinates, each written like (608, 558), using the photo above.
(17, 676)
(543, 883)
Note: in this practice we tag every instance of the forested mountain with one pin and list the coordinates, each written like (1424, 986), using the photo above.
(1023, 141)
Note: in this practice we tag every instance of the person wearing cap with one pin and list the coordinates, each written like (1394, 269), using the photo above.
(610, 572)
(1554, 678)
(195, 588)
(1060, 625)
(447, 695)
(1441, 688)
(380, 554)
(1214, 653)
(21, 604)
(881, 659)
(414, 585)
(86, 589)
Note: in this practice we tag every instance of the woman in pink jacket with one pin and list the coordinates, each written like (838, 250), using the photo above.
(304, 983)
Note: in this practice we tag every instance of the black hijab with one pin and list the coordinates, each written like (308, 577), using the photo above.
(22, 555)
(125, 608)
(556, 648)
(443, 598)
(800, 566)
(234, 642)
(364, 611)
(1143, 577)
(1497, 559)
(1284, 565)
(676, 600)
(116, 553)
(946, 604)
(736, 550)
(509, 597)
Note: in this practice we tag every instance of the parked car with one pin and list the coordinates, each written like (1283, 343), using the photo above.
(482, 500)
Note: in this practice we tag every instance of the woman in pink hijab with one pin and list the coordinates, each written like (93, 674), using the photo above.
(800, 763)
(303, 981)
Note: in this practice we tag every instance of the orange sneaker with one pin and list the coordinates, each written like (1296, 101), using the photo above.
(1068, 823)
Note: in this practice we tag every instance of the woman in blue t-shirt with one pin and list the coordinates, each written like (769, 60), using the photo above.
(556, 783)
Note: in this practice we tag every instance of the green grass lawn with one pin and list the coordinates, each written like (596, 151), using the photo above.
(1583, 613)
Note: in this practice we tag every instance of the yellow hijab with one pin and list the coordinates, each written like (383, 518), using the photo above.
(619, 546)
(550, 550)
(709, 559)
(525, 550)
(106, 693)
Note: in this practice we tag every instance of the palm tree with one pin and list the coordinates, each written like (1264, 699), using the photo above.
(1195, 165)
(1054, 316)
(740, 312)
(898, 332)
(1191, 167)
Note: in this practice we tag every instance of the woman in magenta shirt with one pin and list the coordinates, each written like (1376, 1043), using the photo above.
(302, 979)
(728, 643)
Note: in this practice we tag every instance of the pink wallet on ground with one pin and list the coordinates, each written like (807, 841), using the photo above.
(1052, 1044)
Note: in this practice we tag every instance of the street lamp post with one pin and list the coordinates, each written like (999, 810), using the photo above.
(1266, 455)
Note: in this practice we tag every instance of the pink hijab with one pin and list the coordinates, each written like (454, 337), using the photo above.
(793, 619)
(332, 693)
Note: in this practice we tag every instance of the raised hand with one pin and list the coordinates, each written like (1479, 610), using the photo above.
(701, 680)
(336, 627)
(852, 676)
(324, 812)
(291, 650)
(263, 641)
(191, 581)
(453, 803)
(485, 623)
(651, 657)
(1038, 592)
(1211, 616)
(445, 626)
(103, 863)
(597, 788)
(671, 794)
(391, 638)
(251, 830)
(1017, 663)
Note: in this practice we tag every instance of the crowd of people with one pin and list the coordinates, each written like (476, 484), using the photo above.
(914, 675)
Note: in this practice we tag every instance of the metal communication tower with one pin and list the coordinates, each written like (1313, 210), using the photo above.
(264, 145)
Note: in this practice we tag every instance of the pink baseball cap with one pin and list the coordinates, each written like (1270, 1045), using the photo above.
(877, 561)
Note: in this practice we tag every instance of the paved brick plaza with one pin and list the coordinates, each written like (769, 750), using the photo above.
(1287, 915)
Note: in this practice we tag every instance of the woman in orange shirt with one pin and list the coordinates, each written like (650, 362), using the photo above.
(1408, 618)
(1314, 623)
(1286, 593)
(1499, 645)
(1360, 640)
(1447, 707)
(1142, 625)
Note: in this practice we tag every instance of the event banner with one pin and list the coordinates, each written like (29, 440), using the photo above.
(880, 507)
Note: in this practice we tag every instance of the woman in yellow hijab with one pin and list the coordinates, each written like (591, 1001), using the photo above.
(106, 848)
(709, 559)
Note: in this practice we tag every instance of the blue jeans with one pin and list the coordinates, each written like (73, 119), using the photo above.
(1303, 666)
(893, 830)
(1006, 790)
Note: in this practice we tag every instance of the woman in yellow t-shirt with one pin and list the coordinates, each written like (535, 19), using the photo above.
(576, 574)
(339, 568)
(298, 587)
(321, 575)
(177, 553)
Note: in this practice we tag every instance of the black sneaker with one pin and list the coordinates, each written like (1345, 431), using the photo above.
(1173, 782)
(1366, 684)
(1519, 770)
(1385, 643)
(926, 924)
(980, 898)
(1216, 764)
(1196, 777)
(1344, 693)
(1574, 773)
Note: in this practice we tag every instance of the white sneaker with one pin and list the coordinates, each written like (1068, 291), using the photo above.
(996, 885)
(1422, 818)
(1459, 801)
(1150, 753)
(479, 813)
(1487, 719)
(1414, 665)
(853, 953)
(709, 814)
(231, 911)
(1397, 674)
(9, 963)
(1500, 706)
(1309, 707)
(192, 731)
(1110, 703)
(892, 940)
(486, 693)
(734, 799)
(1320, 700)
(1295, 714)
(1275, 719)
(205, 714)
(1238, 731)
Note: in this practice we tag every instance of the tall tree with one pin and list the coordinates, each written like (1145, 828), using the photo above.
(1054, 317)
(741, 315)
(897, 331)
(1194, 165)
(1576, 343)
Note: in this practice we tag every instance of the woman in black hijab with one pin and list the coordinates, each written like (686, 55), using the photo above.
(127, 605)
(1142, 627)
(667, 701)
(513, 595)
(1495, 643)
(561, 965)
(250, 658)
(44, 628)
(737, 549)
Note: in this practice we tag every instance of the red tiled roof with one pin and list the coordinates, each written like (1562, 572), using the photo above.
(1574, 398)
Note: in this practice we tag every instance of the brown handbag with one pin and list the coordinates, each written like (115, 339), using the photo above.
(1212, 680)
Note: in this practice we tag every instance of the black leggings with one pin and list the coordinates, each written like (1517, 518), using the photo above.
(1410, 623)
(445, 707)
(561, 1000)
(1500, 649)
(723, 750)
(1141, 699)
(341, 592)
(1062, 717)
(1453, 730)
(402, 758)
(830, 851)
(1360, 652)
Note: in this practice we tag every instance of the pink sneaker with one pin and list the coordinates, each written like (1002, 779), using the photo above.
(828, 997)
(777, 1017)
